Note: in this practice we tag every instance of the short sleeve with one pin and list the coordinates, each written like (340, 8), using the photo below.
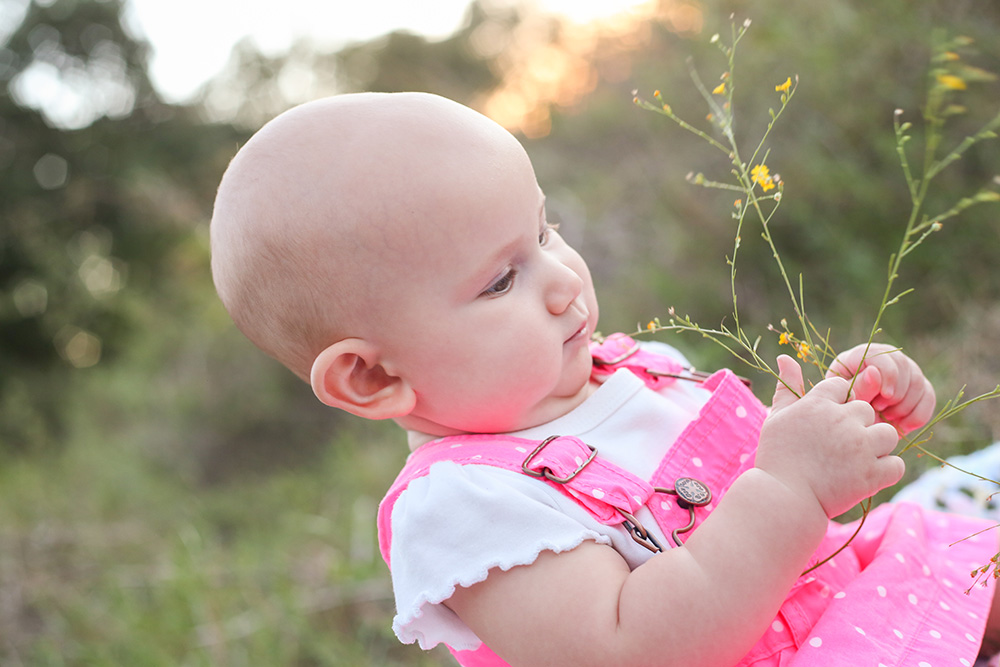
(454, 525)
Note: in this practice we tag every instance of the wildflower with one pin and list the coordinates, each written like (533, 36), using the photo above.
(738, 203)
(651, 325)
(803, 351)
(783, 338)
(720, 89)
(952, 82)
(761, 175)
(783, 88)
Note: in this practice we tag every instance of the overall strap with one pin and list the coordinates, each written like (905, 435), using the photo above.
(620, 351)
(565, 463)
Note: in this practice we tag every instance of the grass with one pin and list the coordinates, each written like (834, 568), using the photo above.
(110, 558)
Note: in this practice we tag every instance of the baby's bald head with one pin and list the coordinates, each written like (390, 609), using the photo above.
(318, 214)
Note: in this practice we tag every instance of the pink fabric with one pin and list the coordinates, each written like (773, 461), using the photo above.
(620, 351)
(894, 597)
(600, 487)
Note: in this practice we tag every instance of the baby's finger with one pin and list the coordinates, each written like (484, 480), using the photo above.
(790, 386)
(833, 388)
(919, 414)
(907, 402)
(868, 384)
(883, 438)
(887, 471)
(897, 373)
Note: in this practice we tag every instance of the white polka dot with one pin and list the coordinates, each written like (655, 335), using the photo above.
(965, 662)
(578, 460)
(840, 596)
(970, 637)
(923, 663)
(881, 591)
(665, 505)
(947, 582)
(912, 598)
(778, 626)
(741, 412)
(899, 635)
(478, 456)
(973, 614)
(815, 642)
(832, 563)
(824, 592)
(927, 571)
(696, 462)
(859, 631)
(935, 634)
(900, 558)
(911, 532)
(456, 445)
(744, 457)
(709, 507)
(597, 493)
(637, 499)
(522, 450)
(944, 605)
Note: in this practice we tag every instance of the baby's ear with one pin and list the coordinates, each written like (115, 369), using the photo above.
(348, 375)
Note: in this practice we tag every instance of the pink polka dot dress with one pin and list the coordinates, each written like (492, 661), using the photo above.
(899, 594)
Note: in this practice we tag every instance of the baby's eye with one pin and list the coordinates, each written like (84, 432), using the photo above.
(502, 284)
(543, 236)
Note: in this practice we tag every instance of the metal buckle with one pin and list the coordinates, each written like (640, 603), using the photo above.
(620, 358)
(694, 376)
(546, 472)
(639, 532)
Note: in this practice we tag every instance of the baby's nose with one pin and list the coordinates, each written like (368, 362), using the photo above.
(563, 288)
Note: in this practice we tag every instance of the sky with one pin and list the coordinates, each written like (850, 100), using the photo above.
(192, 39)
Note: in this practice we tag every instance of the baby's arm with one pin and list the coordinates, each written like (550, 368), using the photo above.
(708, 602)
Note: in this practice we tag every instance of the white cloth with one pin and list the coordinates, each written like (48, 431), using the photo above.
(452, 526)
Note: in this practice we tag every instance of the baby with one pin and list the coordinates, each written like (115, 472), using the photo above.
(393, 251)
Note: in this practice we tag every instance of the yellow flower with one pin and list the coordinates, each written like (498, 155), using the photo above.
(761, 175)
(720, 89)
(783, 88)
(738, 203)
(783, 338)
(803, 351)
(951, 81)
(651, 325)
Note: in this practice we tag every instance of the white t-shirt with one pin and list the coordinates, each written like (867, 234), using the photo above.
(452, 526)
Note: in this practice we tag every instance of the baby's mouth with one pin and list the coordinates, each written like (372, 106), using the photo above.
(579, 333)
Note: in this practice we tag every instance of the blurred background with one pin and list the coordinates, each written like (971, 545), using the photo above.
(168, 496)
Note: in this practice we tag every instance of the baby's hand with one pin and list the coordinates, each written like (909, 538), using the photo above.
(891, 382)
(824, 446)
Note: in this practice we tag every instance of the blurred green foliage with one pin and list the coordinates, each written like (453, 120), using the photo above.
(169, 496)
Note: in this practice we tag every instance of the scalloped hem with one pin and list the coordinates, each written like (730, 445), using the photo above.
(409, 635)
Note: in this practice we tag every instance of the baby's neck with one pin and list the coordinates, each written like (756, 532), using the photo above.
(415, 437)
